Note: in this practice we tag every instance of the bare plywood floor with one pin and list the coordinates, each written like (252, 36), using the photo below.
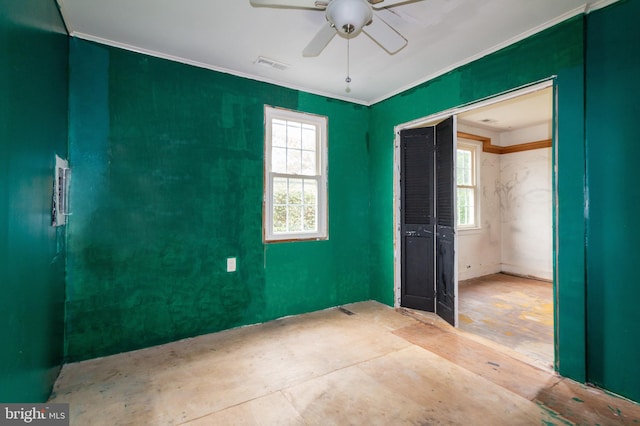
(374, 367)
(512, 311)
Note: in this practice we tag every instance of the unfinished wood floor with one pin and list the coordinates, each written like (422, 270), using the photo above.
(373, 367)
(512, 311)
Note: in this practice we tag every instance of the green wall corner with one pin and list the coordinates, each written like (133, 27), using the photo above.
(613, 232)
(33, 129)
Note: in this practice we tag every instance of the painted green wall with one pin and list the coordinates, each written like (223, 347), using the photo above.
(168, 177)
(613, 288)
(33, 128)
(557, 52)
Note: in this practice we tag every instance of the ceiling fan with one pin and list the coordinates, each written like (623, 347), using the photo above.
(349, 18)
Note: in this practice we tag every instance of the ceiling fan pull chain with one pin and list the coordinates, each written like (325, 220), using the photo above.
(348, 79)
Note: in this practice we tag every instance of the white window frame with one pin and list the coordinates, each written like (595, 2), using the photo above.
(476, 149)
(321, 124)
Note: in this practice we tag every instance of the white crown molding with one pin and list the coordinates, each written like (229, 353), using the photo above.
(568, 15)
(198, 64)
(585, 9)
(599, 5)
(63, 14)
(575, 12)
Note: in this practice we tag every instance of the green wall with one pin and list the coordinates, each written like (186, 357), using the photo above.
(555, 53)
(613, 104)
(167, 183)
(33, 128)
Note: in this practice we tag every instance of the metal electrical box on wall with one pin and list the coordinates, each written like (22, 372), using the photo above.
(60, 202)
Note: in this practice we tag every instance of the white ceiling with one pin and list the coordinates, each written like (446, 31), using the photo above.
(229, 35)
(514, 113)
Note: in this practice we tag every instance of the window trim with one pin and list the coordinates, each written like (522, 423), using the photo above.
(321, 124)
(476, 148)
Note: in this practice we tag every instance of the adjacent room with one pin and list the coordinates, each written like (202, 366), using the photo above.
(505, 231)
(206, 215)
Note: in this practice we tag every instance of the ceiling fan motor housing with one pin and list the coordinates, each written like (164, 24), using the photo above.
(349, 16)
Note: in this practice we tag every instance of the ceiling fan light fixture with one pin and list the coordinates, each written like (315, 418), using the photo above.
(349, 16)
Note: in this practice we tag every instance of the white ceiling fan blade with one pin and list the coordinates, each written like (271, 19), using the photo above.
(319, 41)
(380, 4)
(384, 35)
(298, 4)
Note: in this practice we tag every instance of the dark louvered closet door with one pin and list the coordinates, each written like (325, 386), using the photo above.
(417, 223)
(445, 221)
(427, 182)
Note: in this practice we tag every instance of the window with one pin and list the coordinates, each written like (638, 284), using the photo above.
(295, 206)
(467, 185)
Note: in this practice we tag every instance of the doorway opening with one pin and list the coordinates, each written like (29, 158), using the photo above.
(505, 268)
(504, 236)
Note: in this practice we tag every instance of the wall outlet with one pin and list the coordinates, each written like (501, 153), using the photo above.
(231, 264)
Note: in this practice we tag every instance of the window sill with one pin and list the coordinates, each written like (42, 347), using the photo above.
(469, 231)
(293, 239)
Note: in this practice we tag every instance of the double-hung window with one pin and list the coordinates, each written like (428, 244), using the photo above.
(295, 193)
(467, 156)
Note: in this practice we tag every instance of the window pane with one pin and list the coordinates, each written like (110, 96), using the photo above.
(466, 205)
(310, 218)
(278, 133)
(280, 205)
(280, 191)
(294, 161)
(294, 134)
(279, 160)
(279, 218)
(308, 163)
(295, 191)
(310, 197)
(310, 192)
(295, 205)
(463, 167)
(308, 137)
(295, 218)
